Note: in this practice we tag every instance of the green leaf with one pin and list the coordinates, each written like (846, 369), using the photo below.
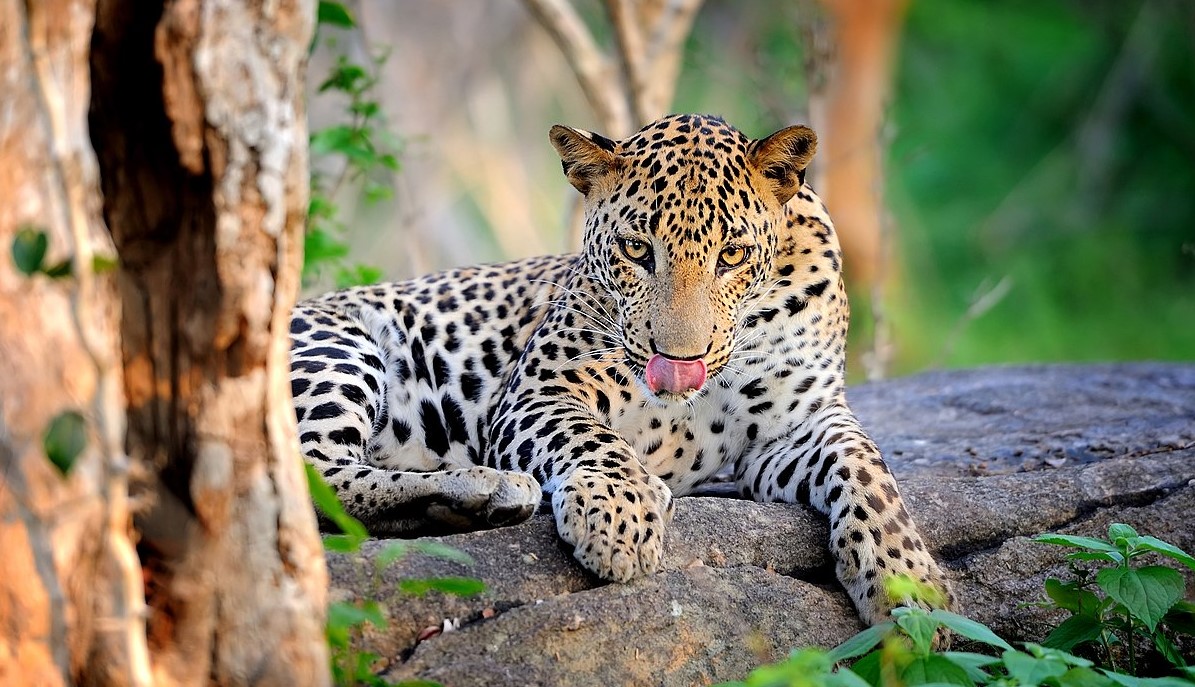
(1119, 530)
(375, 193)
(417, 683)
(333, 139)
(343, 615)
(901, 587)
(345, 77)
(845, 677)
(1071, 597)
(1083, 677)
(1130, 681)
(334, 14)
(972, 663)
(395, 551)
(1073, 631)
(1040, 651)
(1147, 593)
(1030, 670)
(920, 627)
(320, 246)
(65, 439)
(1104, 556)
(861, 643)
(29, 248)
(442, 551)
(868, 668)
(935, 669)
(968, 628)
(102, 264)
(1075, 542)
(1158, 546)
(389, 161)
(1168, 650)
(320, 207)
(60, 270)
(341, 543)
(1181, 618)
(325, 499)
(457, 586)
(368, 108)
(357, 275)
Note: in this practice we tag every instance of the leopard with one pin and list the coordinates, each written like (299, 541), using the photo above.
(700, 329)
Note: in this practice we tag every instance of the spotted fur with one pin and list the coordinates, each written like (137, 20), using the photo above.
(451, 401)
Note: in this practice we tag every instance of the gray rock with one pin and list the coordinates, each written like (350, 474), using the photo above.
(987, 458)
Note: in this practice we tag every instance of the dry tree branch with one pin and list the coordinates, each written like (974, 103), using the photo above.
(633, 54)
(665, 50)
(592, 68)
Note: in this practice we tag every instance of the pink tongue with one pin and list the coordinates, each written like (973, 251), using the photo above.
(677, 376)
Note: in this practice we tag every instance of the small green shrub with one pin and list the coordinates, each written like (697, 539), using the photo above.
(901, 652)
(346, 621)
(367, 154)
(1123, 604)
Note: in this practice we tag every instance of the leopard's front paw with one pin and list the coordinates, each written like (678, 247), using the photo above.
(914, 580)
(481, 497)
(615, 523)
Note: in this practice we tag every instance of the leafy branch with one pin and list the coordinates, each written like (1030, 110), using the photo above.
(367, 154)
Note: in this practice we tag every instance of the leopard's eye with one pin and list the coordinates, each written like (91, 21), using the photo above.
(733, 256)
(635, 249)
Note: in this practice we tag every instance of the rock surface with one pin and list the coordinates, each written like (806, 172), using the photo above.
(986, 459)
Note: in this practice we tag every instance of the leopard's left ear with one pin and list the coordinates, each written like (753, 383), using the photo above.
(584, 156)
(783, 157)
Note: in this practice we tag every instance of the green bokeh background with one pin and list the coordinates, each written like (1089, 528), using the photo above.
(1042, 148)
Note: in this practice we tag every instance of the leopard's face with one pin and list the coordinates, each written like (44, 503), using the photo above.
(680, 230)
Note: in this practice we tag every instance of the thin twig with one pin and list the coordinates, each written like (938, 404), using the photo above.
(980, 304)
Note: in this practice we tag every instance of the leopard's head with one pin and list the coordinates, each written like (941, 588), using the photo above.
(681, 223)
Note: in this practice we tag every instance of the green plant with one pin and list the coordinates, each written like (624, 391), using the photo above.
(29, 248)
(347, 620)
(362, 147)
(901, 652)
(1137, 604)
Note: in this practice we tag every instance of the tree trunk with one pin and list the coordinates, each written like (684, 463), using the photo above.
(70, 586)
(197, 122)
(851, 145)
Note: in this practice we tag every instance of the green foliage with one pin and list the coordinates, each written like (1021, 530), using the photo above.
(65, 439)
(1140, 606)
(1037, 141)
(334, 14)
(367, 154)
(29, 249)
(901, 651)
(346, 621)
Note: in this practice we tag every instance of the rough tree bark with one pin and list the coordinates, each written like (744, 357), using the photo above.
(70, 586)
(197, 122)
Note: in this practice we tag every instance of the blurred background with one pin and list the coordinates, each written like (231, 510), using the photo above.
(1012, 181)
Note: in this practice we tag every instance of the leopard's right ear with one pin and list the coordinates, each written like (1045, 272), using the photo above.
(585, 156)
